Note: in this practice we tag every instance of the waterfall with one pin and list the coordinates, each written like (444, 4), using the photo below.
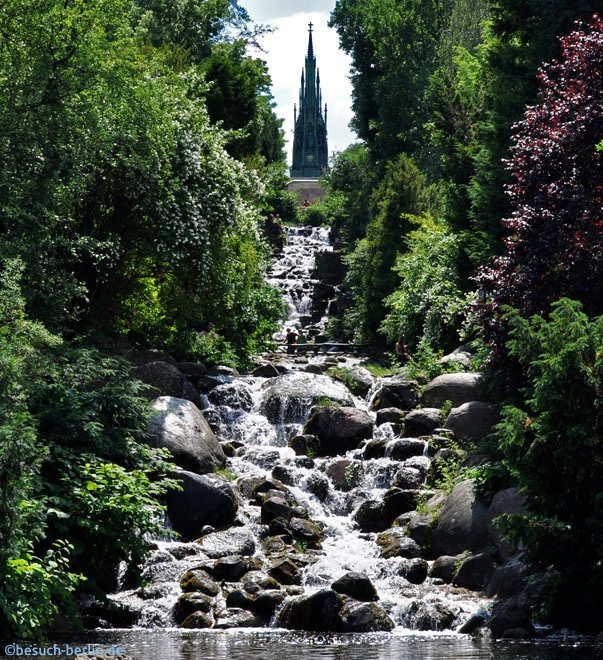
(255, 417)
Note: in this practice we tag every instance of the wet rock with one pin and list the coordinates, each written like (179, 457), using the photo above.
(198, 620)
(280, 527)
(199, 580)
(235, 395)
(266, 371)
(393, 416)
(417, 526)
(314, 369)
(276, 507)
(473, 420)
(254, 488)
(231, 568)
(344, 473)
(445, 567)
(234, 617)
(358, 379)
(117, 614)
(164, 379)
(375, 448)
(364, 617)
(475, 621)
(474, 572)
(421, 463)
(146, 357)
(283, 474)
(355, 585)
(192, 370)
(414, 570)
(275, 545)
(509, 579)
(179, 426)
(505, 501)
(318, 485)
(463, 523)
(339, 429)
(396, 392)
(320, 612)
(509, 614)
(285, 571)
(237, 540)
(403, 448)
(307, 532)
(460, 356)
(369, 517)
(408, 478)
(204, 500)
(256, 581)
(305, 445)
(431, 613)
(422, 422)
(394, 543)
(191, 602)
(288, 398)
(457, 388)
(268, 601)
(397, 501)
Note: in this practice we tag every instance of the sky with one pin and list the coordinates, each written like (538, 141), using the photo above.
(285, 51)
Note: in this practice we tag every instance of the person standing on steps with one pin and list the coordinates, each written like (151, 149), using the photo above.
(291, 339)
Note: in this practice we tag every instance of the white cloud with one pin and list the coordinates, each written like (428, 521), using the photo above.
(285, 51)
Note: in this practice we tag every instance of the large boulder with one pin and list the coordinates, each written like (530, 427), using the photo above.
(145, 357)
(458, 388)
(394, 543)
(164, 379)
(475, 572)
(178, 425)
(358, 379)
(509, 500)
(510, 614)
(204, 500)
(234, 541)
(400, 449)
(463, 523)
(320, 612)
(422, 421)
(396, 392)
(473, 420)
(339, 429)
(288, 398)
(355, 585)
(364, 617)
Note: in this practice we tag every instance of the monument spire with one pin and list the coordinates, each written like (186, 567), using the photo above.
(310, 149)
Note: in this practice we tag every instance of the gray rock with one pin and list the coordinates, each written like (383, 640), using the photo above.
(358, 379)
(276, 507)
(192, 370)
(231, 568)
(164, 379)
(204, 500)
(473, 420)
(235, 395)
(285, 571)
(463, 523)
(288, 398)
(318, 485)
(394, 543)
(305, 445)
(344, 473)
(402, 448)
(199, 580)
(221, 370)
(355, 585)
(235, 617)
(414, 570)
(191, 602)
(237, 541)
(509, 614)
(459, 356)
(474, 572)
(179, 426)
(369, 517)
(407, 478)
(505, 501)
(339, 429)
(320, 612)
(475, 621)
(266, 371)
(458, 388)
(431, 614)
(396, 392)
(397, 501)
(364, 617)
(508, 580)
(198, 620)
(422, 421)
(393, 416)
(445, 567)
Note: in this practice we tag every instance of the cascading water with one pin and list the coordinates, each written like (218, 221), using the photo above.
(257, 416)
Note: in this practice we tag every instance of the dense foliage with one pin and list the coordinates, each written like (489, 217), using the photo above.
(552, 444)
(555, 242)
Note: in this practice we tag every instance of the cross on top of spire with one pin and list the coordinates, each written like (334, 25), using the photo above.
(310, 26)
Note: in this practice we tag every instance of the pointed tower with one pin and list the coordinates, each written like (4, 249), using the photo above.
(310, 150)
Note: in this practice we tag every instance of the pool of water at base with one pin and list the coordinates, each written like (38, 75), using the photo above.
(288, 645)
